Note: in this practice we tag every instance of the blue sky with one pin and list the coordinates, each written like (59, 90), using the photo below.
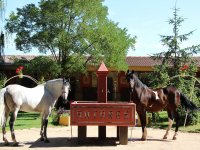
(146, 19)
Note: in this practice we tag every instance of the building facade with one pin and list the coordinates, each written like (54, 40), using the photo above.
(84, 86)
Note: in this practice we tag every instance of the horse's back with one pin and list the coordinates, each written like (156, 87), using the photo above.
(25, 98)
(18, 90)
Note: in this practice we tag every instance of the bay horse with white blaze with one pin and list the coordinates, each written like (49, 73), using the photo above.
(146, 99)
(14, 98)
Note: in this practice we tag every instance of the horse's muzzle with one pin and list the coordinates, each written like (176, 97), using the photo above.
(64, 95)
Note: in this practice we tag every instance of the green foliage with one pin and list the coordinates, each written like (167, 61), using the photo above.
(160, 76)
(55, 117)
(162, 122)
(171, 70)
(2, 35)
(42, 67)
(192, 118)
(70, 30)
(2, 80)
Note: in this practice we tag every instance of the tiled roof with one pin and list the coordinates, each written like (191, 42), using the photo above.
(198, 60)
(9, 59)
(141, 61)
(131, 60)
(148, 61)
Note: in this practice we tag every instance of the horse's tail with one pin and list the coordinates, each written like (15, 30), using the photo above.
(187, 104)
(2, 106)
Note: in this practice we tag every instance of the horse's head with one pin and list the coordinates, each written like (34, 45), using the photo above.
(134, 82)
(65, 88)
(130, 78)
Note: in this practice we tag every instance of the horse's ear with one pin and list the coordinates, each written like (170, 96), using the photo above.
(68, 79)
(127, 71)
(132, 71)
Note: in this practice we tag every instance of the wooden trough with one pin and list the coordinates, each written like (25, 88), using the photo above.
(102, 113)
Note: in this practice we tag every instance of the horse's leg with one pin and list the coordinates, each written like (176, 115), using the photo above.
(143, 124)
(11, 124)
(41, 130)
(170, 119)
(177, 125)
(4, 127)
(45, 130)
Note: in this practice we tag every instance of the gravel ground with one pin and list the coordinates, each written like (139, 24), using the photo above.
(66, 138)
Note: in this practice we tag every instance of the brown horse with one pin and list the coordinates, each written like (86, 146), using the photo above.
(146, 99)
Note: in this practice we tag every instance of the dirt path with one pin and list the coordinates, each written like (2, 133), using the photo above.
(60, 138)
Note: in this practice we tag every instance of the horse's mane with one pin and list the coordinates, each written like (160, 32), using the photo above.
(139, 83)
(53, 80)
(50, 83)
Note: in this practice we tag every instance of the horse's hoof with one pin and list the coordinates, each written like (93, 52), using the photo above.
(143, 139)
(174, 138)
(16, 144)
(165, 137)
(41, 139)
(6, 143)
(46, 141)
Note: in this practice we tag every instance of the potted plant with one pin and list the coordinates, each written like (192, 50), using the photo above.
(63, 116)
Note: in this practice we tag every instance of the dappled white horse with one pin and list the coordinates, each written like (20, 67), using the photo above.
(38, 99)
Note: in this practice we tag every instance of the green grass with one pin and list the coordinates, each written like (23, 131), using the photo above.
(162, 123)
(193, 128)
(27, 121)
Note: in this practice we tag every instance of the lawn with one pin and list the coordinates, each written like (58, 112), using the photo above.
(163, 124)
(28, 120)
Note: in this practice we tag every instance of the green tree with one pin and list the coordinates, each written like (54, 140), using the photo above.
(41, 67)
(2, 38)
(175, 57)
(2, 80)
(172, 70)
(75, 32)
(2, 8)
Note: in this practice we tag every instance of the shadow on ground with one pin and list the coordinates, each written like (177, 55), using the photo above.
(73, 142)
(151, 139)
(10, 145)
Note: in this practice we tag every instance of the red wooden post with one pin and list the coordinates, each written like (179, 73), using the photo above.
(102, 73)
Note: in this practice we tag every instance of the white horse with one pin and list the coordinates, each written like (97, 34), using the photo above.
(38, 99)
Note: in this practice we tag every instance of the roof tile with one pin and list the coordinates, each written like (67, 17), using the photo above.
(131, 60)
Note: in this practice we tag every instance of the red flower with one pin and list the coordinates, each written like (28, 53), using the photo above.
(21, 67)
(184, 67)
(19, 70)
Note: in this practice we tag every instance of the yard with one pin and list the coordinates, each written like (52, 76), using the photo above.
(64, 137)
(33, 120)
